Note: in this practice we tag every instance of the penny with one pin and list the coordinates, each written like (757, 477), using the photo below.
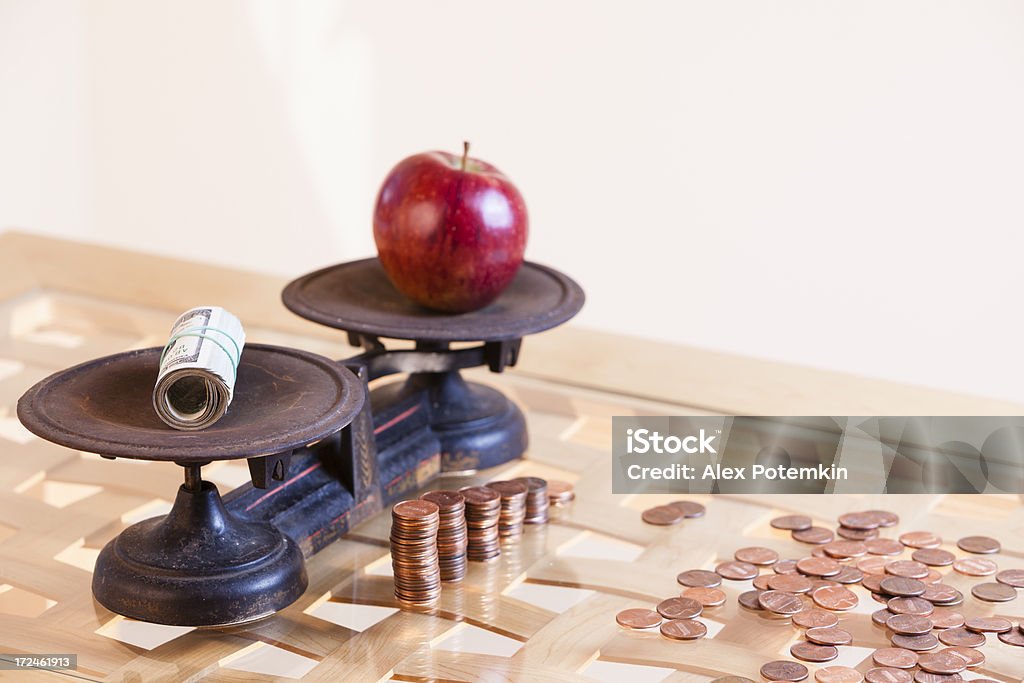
(663, 515)
(859, 520)
(818, 566)
(933, 557)
(944, 618)
(988, 624)
(815, 618)
(750, 600)
(683, 629)
(883, 546)
(830, 635)
(918, 606)
(881, 617)
(961, 637)
(732, 679)
(902, 587)
(975, 566)
(1013, 637)
(784, 671)
(873, 582)
(885, 518)
(638, 618)
(838, 598)
(920, 539)
(736, 571)
(994, 592)
(909, 624)
(708, 597)
(845, 549)
(560, 492)
(941, 594)
(779, 602)
(921, 643)
(856, 534)
(792, 522)
(790, 583)
(926, 677)
(817, 583)
(933, 576)
(888, 675)
(699, 578)
(908, 569)
(414, 509)
(761, 581)
(968, 655)
(838, 674)
(814, 535)
(784, 566)
(809, 652)
(679, 608)
(941, 663)
(1011, 577)
(848, 575)
(895, 657)
(979, 545)
(872, 565)
(762, 557)
(689, 509)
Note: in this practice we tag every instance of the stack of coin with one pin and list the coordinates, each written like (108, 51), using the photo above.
(560, 493)
(513, 507)
(414, 526)
(536, 499)
(483, 508)
(452, 538)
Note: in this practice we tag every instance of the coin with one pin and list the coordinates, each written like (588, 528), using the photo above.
(560, 492)
(809, 652)
(784, 671)
(944, 618)
(845, 549)
(885, 518)
(975, 566)
(895, 657)
(920, 539)
(988, 624)
(414, 553)
(829, 635)
(818, 566)
(784, 567)
(888, 675)
(792, 522)
(872, 565)
(883, 546)
(732, 679)
(683, 629)
(918, 606)
(1011, 577)
(689, 509)
(790, 583)
(909, 624)
(838, 674)
(859, 520)
(908, 569)
(761, 581)
(679, 608)
(482, 510)
(968, 655)
(756, 555)
(699, 578)
(848, 575)
(856, 534)
(814, 535)
(941, 663)
(881, 617)
(414, 509)
(815, 618)
(994, 592)
(452, 537)
(638, 618)
(537, 505)
(708, 597)
(933, 557)
(779, 602)
(902, 587)
(663, 515)
(837, 598)
(941, 594)
(736, 571)
(1013, 637)
(750, 600)
(961, 637)
(921, 643)
(925, 677)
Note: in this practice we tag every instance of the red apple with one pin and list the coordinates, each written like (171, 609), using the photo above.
(450, 230)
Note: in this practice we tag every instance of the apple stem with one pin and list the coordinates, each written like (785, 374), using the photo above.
(465, 153)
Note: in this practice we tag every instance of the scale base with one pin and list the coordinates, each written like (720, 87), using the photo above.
(199, 566)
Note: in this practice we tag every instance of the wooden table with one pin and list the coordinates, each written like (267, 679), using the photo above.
(549, 603)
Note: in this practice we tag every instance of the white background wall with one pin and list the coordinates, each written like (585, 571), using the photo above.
(837, 184)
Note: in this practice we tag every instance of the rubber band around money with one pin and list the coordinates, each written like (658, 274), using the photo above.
(196, 332)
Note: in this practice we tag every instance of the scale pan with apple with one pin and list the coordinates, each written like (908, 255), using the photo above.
(324, 452)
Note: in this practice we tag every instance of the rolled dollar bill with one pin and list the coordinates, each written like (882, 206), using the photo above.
(198, 368)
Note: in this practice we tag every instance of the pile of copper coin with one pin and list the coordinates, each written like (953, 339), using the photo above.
(673, 513)
(483, 507)
(513, 507)
(536, 500)
(414, 552)
(560, 493)
(452, 538)
(931, 641)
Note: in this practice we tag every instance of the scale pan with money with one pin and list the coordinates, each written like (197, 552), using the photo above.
(324, 452)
